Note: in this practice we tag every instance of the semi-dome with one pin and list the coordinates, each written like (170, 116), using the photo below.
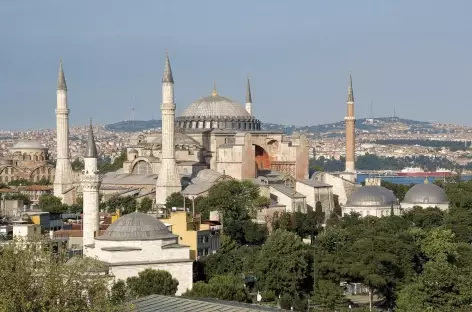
(28, 144)
(136, 226)
(371, 196)
(426, 194)
(215, 106)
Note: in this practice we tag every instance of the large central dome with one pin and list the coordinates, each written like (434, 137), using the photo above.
(215, 106)
(217, 112)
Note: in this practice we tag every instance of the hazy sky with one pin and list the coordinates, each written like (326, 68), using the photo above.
(414, 55)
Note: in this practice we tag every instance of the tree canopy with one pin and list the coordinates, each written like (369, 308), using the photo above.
(34, 280)
(419, 261)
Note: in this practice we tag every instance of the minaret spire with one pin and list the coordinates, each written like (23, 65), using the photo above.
(91, 149)
(350, 92)
(168, 181)
(91, 182)
(61, 79)
(350, 120)
(167, 77)
(248, 97)
(63, 176)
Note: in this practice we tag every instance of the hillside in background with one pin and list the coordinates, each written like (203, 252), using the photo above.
(366, 124)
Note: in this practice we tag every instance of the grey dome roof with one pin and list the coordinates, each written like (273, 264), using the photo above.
(215, 105)
(426, 193)
(28, 144)
(132, 151)
(371, 196)
(136, 226)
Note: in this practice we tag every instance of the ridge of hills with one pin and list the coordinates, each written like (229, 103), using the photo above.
(362, 124)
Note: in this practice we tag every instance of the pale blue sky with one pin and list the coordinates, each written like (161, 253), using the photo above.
(411, 54)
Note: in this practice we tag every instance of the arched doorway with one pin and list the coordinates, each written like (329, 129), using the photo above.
(262, 158)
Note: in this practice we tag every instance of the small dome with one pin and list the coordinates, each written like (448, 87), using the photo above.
(426, 194)
(136, 226)
(28, 144)
(215, 106)
(371, 196)
(132, 151)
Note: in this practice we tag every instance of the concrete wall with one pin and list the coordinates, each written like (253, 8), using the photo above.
(324, 195)
(291, 204)
(182, 271)
(373, 211)
(443, 206)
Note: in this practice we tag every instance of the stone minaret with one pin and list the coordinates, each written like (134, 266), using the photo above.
(91, 181)
(350, 131)
(248, 97)
(63, 175)
(168, 181)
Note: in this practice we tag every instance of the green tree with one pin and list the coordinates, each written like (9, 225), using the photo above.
(127, 204)
(281, 264)
(425, 218)
(175, 200)
(329, 295)
(150, 282)
(117, 164)
(32, 280)
(444, 284)
(77, 165)
(223, 287)
(145, 205)
(51, 203)
(230, 259)
(237, 202)
(119, 292)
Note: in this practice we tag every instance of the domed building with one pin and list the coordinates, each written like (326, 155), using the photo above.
(139, 241)
(217, 112)
(217, 133)
(372, 200)
(29, 160)
(425, 195)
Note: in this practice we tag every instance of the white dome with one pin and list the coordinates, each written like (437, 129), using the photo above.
(215, 106)
(426, 194)
(136, 226)
(28, 144)
(371, 196)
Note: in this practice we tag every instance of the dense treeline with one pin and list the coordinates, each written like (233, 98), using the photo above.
(451, 145)
(374, 162)
(420, 261)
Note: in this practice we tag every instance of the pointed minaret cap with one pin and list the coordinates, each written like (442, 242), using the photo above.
(61, 79)
(350, 92)
(91, 149)
(167, 77)
(248, 91)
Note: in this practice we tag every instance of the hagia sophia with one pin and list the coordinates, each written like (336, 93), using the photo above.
(214, 139)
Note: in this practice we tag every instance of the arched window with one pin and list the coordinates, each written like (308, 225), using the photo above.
(142, 167)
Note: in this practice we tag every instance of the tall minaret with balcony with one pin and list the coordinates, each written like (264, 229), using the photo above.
(91, 182)
(168, 181)
(63, 174)
(350, 121)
